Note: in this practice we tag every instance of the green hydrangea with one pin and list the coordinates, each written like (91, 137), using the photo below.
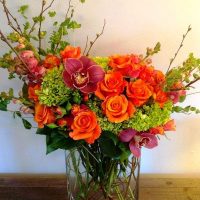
(102, 61)
(147, 117)
(53, 90)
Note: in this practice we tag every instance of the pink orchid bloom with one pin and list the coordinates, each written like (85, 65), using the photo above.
(137, 140)
(82, 74)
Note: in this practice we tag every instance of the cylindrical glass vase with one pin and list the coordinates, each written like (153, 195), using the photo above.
(92, 176)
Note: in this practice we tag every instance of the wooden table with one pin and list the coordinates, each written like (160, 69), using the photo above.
(53, 187)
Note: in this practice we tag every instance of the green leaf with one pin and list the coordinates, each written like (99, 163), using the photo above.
(108, 147)
(22, 10)
(52, 13)
(43, 131)
(52, 126)
(82, 1)
(25, 91)
(26, 124)
(182, 98)
(4, 104)
(57, 140)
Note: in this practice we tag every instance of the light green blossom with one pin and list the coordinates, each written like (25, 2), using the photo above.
(53, 90)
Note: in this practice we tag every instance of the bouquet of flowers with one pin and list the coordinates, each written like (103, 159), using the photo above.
(103, 110)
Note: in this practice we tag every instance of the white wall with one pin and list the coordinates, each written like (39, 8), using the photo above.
(131, 27)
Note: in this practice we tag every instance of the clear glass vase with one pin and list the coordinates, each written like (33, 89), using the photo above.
(92, 176)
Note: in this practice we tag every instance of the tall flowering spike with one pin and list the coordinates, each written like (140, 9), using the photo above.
(82, 74)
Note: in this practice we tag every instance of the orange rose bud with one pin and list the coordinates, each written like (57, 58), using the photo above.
(139, 92)
(51, 61)
(71, 52)
(159, 77)
(170, 126)
(32, 92)
(160, 97)
(118, 108)
(113, 84)
(157, 130)
(43, 115)
(85, 127)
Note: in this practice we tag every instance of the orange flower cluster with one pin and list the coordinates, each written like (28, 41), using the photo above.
(131, 83)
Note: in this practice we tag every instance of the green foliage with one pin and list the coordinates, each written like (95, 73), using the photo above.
(5, 98)
(151, 52)
(111, 146)
(82, 1)
(38, 19)
(26, 124)
(6, 60)
(57, 139)
(56, 37)
(13, 37)
(103, 62)
(53, 91)
(52, 13)
(187, 109)
(149, 117)
(3, 104)
(188, 72)
(22, 10)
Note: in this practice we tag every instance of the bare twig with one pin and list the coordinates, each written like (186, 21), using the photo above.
(40, 25)
(97, 37)
(41, 14)
(9, 16)
(192, 82)
(4, 39)
(86, 45)
(181, 45)
(69, 7)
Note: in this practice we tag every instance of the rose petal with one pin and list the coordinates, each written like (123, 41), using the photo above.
(127, 135)
(90, 87)
(86, 62)
(136, 151)
(72, 65)
(153, 142)
(96, 73)
(67, 79)
(170, 126)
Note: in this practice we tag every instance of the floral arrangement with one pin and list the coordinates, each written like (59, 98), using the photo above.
(110, 106)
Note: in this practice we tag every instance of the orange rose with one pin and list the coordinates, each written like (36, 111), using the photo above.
(113, 84)
(118, 108)
(71, 52)
(159, 77)
(31, 92)
(138, 92)
(51, 61)
(160, 97)
(85, 127)
(121, 63)
(43, 115)
(147, 74)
